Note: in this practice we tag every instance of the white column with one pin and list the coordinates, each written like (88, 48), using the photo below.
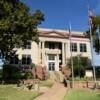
(46, 61)
(39, 52)
(78, 48)
(57, 62)
(66, 53)
(63, 54)
(43, 52)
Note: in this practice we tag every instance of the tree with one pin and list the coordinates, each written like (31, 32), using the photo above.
(95, 37)
(17, 25)
(79, 65)
(96, 41)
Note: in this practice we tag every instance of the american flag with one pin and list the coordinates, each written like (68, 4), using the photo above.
(90, 13)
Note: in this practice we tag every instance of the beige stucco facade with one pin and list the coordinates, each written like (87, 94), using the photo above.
(53, 48)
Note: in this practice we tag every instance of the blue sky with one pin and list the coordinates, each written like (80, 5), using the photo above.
(58, 13)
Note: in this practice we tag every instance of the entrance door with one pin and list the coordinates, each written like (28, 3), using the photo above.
(51, 66)
(51, 62)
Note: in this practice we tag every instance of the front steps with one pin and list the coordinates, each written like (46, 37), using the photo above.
(56, 76)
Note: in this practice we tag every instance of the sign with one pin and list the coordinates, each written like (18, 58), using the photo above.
(88, 73)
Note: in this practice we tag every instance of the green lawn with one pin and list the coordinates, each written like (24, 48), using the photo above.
(9, 92)
(47, 83)
(82, 94)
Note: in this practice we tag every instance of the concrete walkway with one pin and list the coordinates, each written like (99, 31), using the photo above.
(57, 92)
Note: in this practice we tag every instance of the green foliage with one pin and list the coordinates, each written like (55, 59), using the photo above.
(13, 73)
(9, 72)
(96, 43)
(96, 40)
(19, 75)
(79, 65)
(83, 79)
(17, 25)
(28, 75)
(96, 20)
(98, 73)
(1, 73)
(23, 75)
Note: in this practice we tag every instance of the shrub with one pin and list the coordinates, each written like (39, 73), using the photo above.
(80, 64)
(82, 79)
(11, 72)
(19, 75)
(23, 75)
(28, 75)
(1, 74)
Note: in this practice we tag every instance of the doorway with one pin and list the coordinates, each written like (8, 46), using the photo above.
(51, 62)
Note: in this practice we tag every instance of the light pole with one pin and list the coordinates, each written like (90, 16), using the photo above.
(71, 55)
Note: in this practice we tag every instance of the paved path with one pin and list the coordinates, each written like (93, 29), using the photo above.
(57, 92)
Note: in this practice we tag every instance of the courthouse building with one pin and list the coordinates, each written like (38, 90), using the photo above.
(53, 49)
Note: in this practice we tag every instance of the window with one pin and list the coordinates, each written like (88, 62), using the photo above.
(26, 59)
(73, 47)
(14, 60)
(51, 46)
(83, 47)
(51, 66)
(27, 45)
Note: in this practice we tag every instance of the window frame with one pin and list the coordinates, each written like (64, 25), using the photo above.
(25, 59)
(14, 60)
(51, 46)
(83, 47)
(73, 47)
(28, 45)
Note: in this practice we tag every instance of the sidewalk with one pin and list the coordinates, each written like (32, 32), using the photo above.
(57, 92)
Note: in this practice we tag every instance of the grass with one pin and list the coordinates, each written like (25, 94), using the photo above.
(46, 83)
(82, 94)
(10, 92)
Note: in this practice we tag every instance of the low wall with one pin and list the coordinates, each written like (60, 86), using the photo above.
(81, 84)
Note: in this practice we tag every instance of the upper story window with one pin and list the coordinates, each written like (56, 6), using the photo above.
(51, 46)
(26, 59)
(73, 47)
(83, 47)
(14, 60)
(27, 45)
(59, 46)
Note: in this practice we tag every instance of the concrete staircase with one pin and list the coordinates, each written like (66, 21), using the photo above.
(56, 76)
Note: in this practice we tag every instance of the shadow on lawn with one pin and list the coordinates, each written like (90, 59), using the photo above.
(98, 95)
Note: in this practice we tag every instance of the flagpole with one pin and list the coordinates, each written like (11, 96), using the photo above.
(92, 58)
(71, 57)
